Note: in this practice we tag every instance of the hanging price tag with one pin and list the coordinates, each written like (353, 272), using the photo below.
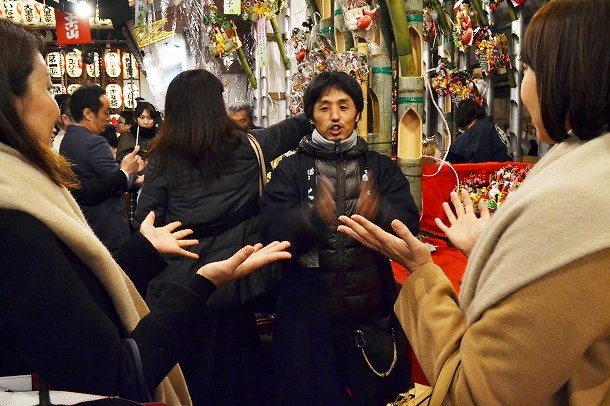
(232, 7)
(141, 9)
(261, 37)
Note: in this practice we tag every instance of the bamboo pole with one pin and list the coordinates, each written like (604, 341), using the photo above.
(246, 67)
(402, 37)
(280, 42)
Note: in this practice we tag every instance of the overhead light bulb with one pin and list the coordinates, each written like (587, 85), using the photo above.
(83, 9)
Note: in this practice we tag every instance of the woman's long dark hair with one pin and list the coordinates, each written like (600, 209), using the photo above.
(196, 126)
(18, 50)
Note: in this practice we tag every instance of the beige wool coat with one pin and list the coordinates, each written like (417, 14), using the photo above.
(532, 323)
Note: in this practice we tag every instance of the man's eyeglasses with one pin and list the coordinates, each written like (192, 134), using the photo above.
(122, 122)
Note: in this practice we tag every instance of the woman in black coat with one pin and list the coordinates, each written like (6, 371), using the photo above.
(204, 171)
(67, 310)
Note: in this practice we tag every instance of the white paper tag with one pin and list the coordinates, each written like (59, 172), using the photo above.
(261, 37)
(232, 7)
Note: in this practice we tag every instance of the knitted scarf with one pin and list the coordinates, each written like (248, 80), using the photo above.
(26, 188)
(558, 215)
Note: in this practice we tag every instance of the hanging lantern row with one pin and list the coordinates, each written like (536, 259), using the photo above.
(72, 64)
(35, 14)
(118, 96)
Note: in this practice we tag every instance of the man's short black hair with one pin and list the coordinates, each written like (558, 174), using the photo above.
(327, 80)
(86, 96)
(467, 111)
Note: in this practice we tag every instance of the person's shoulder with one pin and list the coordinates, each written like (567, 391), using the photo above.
(17, 225)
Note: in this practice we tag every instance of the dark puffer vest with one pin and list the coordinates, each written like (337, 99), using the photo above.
(348, 270)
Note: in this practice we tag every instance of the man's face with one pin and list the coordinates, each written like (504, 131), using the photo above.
(241, 118)
(96, 122)
(122, 125)
(335, 114)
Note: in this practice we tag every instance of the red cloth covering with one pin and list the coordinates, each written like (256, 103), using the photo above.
(435, 191)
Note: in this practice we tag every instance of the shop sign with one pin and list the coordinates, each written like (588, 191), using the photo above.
(130, 66)
(74, 66)
(93, 69)
(113, 91)
(130, 92)
(71, 30)
(56, 64)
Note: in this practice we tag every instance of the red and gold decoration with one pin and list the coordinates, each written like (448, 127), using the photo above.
(259, 11)
(496, 187)
(456, 83)
(223, 39)
(463, 25)
(321, 58)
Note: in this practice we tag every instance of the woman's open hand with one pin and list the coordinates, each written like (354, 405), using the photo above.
(405, 249)
(165, 239)
(465, 227)
(245, 261)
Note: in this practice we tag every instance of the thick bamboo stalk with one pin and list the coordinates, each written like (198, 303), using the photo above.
(402, 38)
(280, 42)
(246, 67)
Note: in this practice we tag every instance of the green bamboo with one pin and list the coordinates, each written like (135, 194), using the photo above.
(480, 12)
(402, 37)
(280, 42)
(445, 29)
(246, 67)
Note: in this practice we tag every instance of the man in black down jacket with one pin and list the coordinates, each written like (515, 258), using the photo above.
(336, 340)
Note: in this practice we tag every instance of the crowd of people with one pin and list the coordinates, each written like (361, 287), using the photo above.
(161, 306)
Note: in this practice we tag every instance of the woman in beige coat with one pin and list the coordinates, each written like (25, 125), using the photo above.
(532, 323)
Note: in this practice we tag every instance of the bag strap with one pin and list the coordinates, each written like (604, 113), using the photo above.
(258, 151)
(443, 382)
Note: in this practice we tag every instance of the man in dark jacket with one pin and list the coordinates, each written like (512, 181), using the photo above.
(336, 341)
(482, 139)
(93, 161)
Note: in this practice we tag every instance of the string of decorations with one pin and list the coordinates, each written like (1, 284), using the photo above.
(494, 188)
(319, 59)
